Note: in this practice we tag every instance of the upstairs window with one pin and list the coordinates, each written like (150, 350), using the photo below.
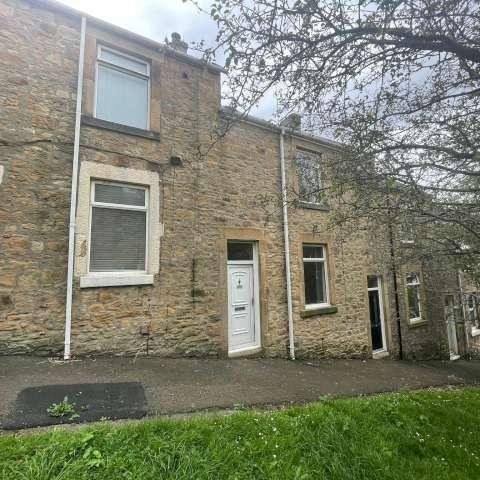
(408, 234)
(118, 227)
(414, 297)
(315, 276)
(310, 184)
(122, 88)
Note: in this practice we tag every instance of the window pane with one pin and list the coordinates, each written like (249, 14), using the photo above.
(372, 282)
(122, 98)
(312, 251)
(125, 62)
(121, 194)
(240, 251)
(413, 301)
(314, 273)
(118, 240)
(309, 176)
(412, 278)
(472, 308)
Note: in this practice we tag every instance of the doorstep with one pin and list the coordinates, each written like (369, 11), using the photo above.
(247, 352)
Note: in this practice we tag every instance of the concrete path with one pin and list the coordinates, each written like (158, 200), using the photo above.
(186, 385)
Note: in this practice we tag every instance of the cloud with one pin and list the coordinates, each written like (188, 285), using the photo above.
(154, 19)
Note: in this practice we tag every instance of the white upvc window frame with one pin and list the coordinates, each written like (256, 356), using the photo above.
(317, 171)
(126, 70)
(417, 284)
(119, 206)
(475, 323)
(312, 306)
(408, 234)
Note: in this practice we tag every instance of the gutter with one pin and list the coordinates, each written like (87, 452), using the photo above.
(73, 196)
(271, 127)
(287, 247)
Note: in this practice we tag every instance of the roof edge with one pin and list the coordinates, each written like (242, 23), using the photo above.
(259, 122)
(148, 42)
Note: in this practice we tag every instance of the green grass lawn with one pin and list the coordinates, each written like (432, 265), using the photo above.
(425, 435)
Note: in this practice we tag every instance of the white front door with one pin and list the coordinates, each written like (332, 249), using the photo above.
(451, 327)
(241, 307)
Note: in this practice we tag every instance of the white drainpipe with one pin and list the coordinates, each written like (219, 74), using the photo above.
(466, 319)
(73, 197)
(287, 246)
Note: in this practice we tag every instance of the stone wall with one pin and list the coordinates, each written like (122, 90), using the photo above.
(38, 74)
(427, 339)
(217, 195)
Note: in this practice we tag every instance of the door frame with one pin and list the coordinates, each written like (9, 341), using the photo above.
(256, 299)
(379, 290)
(451, 325)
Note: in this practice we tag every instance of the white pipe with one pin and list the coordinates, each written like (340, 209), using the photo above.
(73, 196)
(287, 246)
(466, 318)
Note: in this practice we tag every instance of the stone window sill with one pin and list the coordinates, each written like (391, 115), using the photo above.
(417, 323)
(313, 312)
(117, 127)
(314, 206)
(115, 280)
(475, 331)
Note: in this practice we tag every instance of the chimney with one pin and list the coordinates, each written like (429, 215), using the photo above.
(178, 44)
(292, 122)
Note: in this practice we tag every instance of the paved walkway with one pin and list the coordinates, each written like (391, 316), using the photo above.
(186, 385)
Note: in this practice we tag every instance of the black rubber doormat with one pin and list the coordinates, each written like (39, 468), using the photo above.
(83, 402)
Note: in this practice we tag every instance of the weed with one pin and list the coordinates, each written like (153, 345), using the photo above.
(62, 409)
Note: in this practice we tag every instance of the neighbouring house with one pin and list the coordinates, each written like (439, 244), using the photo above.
(173, 253)
(470, 294)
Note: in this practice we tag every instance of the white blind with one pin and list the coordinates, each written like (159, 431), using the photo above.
(123, 61)
(118, 240)
(122, 97)
(119, 228)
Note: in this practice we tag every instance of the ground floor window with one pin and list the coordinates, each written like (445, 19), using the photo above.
(118, 229)
(472, 310)
(414, 297)
(315, 276)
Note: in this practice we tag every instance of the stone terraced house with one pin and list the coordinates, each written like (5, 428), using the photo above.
(164, 248)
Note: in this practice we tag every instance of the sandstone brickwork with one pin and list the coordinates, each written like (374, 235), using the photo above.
(215, 196)
(38, 74)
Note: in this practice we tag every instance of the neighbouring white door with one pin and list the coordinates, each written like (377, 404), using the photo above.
(241, 305)
(451, 327)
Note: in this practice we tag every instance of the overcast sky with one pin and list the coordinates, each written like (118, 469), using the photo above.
(157, 19)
